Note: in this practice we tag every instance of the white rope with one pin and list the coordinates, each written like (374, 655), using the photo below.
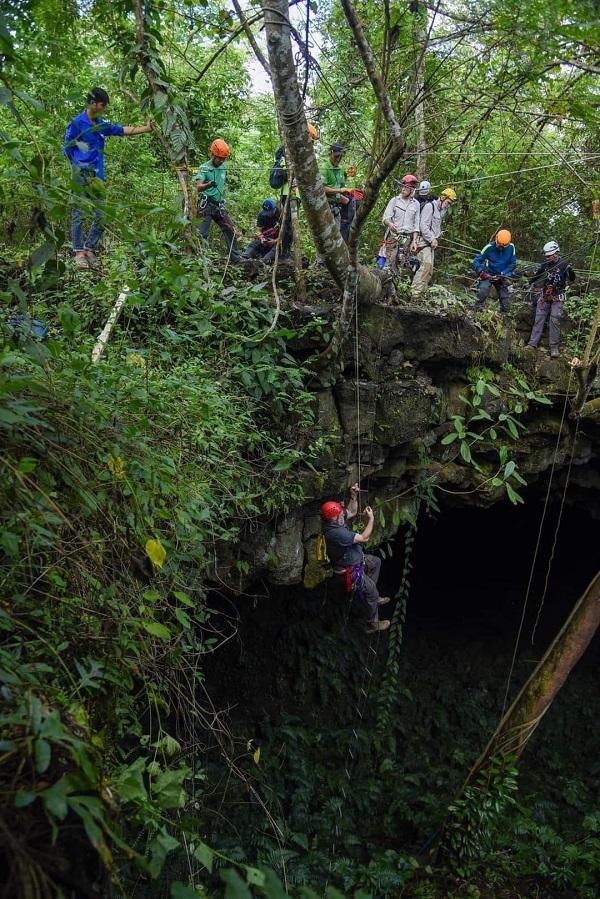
(356, 372)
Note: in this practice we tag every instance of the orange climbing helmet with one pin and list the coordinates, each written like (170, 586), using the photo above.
(313, 132)
(503, 237)
(331, 510)
(219, 148)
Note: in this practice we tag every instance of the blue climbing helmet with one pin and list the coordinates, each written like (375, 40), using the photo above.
(269, 205)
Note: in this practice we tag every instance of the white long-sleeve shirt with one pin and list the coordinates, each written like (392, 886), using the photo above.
(430, 224)
(402, 214)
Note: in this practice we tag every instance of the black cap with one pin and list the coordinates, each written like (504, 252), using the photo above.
(338, 149)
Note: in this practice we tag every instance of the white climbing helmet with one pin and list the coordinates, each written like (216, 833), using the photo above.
(551, 248)
(424, 188)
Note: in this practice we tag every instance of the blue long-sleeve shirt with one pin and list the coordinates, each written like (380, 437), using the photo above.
(84, 142)
(496, 260)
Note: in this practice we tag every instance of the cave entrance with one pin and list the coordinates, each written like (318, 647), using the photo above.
(471, 568)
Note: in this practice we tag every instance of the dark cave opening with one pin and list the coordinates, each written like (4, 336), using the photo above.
(472, 566)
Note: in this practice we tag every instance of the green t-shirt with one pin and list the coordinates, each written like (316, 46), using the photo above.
(332, 176)
(216, 173)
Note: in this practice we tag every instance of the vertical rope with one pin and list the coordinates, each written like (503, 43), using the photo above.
(356, 374)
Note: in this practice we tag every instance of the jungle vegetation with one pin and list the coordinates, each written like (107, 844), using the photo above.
(126, 483)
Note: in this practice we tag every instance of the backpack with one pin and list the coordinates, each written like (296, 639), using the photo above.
(278, 175)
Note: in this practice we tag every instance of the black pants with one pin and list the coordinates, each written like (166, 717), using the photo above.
(215, 212)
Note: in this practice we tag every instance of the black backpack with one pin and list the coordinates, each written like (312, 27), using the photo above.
(278, 176)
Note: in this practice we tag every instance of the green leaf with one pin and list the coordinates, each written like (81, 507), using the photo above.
(513, 496)
(23, 798)
(42, 254)
(183, 618)
(255, 877)
(181, 890)
(130, 785)
(509, 468)
(157, 630)
(449, 438)
(183, 598)
(5, 96)
(43, 755)
(465, 451)
(235, 888)
(205, 856)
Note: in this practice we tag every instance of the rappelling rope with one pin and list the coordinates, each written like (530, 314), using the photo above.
(539, 537)
(566, 485)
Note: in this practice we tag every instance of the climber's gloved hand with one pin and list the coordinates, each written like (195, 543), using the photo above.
(279, 154)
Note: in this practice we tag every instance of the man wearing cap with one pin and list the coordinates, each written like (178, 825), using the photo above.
(430, 227)
(357, 571)
(401, 218)
(265, 243)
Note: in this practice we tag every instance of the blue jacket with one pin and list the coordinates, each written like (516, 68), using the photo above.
(84, 142)
(496, 260)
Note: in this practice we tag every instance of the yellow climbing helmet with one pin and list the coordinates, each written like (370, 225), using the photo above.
(448, 194)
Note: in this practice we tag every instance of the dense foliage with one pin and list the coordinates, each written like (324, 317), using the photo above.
(128, 486)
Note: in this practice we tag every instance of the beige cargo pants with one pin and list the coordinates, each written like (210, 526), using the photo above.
(423, 276)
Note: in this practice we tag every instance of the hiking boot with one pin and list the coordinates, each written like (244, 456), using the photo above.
(383, 599)
(374, 626)
(554, 352)
(530, 346)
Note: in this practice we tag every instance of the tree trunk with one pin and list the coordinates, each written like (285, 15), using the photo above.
(420, 38)
(537, 694)
(325, 232)
(174, 134)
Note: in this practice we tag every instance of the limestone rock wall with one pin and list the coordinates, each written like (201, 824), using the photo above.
(413, 366)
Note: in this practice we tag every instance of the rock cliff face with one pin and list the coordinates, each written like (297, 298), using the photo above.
(415, 368)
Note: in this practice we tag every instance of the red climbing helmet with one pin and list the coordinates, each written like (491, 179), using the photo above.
(331, 510)
(409, 180)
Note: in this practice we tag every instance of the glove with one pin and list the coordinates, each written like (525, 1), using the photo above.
(280, 153)
(484, 276)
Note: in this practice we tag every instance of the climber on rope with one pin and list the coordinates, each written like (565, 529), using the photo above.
(401, 218)
(210, 182)
(430, 228)
(551, 277)
(494, 265)
(264, 245)
(84, 148)
(278, 179)
(357, 571)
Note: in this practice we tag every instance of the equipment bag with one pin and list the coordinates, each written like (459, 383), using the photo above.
(278, 177)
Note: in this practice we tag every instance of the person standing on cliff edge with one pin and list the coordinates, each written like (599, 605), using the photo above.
(359, 572)
(84, 148)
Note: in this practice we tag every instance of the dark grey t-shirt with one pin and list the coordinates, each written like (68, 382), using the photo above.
(341, 548)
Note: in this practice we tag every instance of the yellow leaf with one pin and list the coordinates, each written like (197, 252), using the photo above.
(156, 552)
(256, 756)
(116, 466)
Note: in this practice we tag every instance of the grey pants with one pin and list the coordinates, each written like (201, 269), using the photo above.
(370, 591)
(550, 310)
(502, 293)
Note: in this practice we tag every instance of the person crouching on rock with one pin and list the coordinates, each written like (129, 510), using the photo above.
(265, 243)
(359, 572)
